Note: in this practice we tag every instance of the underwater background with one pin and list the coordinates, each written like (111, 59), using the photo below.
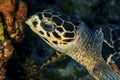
(30, 52)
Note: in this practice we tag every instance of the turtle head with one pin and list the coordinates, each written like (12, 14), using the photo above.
(57, 29)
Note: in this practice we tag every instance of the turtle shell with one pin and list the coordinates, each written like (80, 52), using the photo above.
(111, 46)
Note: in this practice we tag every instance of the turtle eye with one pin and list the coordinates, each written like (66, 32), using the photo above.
(48, 26)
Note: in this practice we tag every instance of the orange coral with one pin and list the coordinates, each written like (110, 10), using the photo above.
(7, 8)
(21, 13)
(20, 18)
(14, 17)
(6, 50)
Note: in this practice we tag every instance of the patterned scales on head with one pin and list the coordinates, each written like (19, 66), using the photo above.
(56, 29)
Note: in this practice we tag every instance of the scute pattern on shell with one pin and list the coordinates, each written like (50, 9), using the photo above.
(111, 47)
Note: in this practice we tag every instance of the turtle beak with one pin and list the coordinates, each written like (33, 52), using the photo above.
(28, 21)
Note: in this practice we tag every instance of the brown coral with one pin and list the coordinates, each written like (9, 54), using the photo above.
(8, 12)
(14, 16)
(6, 50)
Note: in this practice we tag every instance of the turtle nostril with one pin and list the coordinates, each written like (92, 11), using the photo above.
(34, 23)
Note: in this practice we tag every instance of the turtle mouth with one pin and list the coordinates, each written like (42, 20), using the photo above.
(27, 21)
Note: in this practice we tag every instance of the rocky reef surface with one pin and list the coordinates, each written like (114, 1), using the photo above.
(12, 17)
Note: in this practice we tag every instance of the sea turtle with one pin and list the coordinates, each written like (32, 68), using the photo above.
(74, 38)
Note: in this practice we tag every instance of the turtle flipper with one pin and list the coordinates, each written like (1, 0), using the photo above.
(52, 59)
(112, 61)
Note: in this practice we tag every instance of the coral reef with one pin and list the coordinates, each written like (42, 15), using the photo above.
(1, 31)
(6, 50)
(12, 16)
